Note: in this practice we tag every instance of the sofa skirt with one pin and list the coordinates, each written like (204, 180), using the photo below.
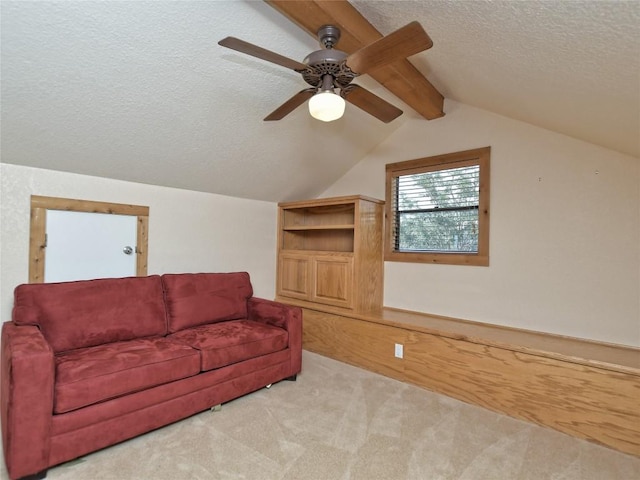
(83, 431)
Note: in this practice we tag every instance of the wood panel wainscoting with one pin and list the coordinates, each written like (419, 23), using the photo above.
(586, 389)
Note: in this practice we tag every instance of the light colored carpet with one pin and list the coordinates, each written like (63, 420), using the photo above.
(339, 422)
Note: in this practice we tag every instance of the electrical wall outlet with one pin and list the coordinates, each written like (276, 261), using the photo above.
(399, 350)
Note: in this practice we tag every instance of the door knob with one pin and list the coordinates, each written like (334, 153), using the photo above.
(127, 250)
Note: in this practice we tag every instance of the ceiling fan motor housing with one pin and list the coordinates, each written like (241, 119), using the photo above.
(327, 61)
(331, 62)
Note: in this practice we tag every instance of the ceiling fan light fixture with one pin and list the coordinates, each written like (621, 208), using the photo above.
(326, 106)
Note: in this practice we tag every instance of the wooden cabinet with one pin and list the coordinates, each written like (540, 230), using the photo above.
(330, 253)
(317, 277)
(294, 275)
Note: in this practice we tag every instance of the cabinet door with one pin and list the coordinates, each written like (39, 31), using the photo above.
(295, 276)
(333, 280)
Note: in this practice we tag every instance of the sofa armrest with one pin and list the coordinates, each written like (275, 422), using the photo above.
(283, 316)
(26, 399)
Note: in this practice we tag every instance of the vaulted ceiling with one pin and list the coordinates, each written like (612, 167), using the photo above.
(141, 91)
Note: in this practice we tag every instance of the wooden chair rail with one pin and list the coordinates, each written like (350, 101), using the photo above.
(621, 358)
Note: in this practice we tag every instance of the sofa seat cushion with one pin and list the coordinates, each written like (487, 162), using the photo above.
(91, 375)
(224, 343)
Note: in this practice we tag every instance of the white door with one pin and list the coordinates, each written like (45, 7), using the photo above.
(83, 245)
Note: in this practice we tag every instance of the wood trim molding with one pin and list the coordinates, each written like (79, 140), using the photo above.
(142, 245)
(37, 244)
(400, 78)
(72, 205)
(38, 228)
(478, 156)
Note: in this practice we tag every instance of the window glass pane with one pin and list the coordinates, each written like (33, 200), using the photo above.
(442, 188)
(447, 231)
(438, 210)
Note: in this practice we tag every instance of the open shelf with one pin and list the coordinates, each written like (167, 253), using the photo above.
(322, 216)
(320, 239)
(318, 227)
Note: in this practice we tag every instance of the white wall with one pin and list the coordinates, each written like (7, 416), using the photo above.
(188, 231)
(565, 229)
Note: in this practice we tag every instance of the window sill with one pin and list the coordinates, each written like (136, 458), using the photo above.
(472, 259)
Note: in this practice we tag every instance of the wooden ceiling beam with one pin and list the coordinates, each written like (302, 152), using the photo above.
(401, 78)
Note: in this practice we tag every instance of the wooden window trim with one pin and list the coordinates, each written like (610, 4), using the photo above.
(38, 228)
(479, 156)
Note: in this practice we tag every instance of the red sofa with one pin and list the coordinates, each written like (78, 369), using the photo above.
(91, 363)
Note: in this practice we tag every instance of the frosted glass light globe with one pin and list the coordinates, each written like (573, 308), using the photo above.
(326, 106)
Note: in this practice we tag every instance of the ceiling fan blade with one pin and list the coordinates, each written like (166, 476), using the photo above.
(398, 45)
(370, 103)
(262, 53)
(290, 105)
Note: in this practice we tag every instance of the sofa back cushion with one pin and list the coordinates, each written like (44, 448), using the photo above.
(86, 313)
(198, 298)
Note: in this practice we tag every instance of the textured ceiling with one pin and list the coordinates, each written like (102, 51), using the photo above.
(572, 66)
(141, 91)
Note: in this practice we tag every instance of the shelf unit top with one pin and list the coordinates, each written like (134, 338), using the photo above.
(329, 201)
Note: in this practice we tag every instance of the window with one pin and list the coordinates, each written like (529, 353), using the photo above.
(437, 209)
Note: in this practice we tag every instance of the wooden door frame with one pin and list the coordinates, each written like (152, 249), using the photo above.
(38, 228)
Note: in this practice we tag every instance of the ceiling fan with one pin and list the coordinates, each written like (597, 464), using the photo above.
(329, 69)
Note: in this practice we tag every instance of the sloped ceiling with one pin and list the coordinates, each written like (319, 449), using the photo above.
(140, 91)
